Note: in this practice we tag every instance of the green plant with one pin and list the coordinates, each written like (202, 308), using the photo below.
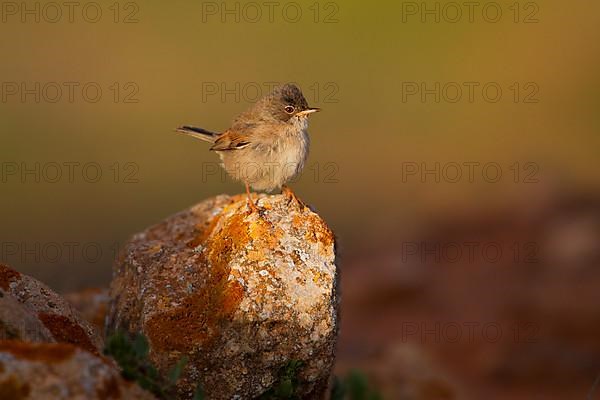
(355, 386)
(132, 356)
(131, 353)
(287, 384)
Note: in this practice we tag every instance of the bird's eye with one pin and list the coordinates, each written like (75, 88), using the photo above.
(289, 109)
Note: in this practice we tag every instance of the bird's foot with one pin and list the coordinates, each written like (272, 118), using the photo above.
(252, 207)
(289, 193)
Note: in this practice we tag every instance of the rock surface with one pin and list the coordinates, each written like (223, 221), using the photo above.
(17, 322)
(60, 371)
(43, 311)
(240, 294)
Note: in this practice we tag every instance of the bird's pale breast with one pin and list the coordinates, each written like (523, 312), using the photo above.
(268, 164)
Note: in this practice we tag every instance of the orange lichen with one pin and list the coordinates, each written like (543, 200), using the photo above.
(195, 320)
(66, 331)
(319, 231)
(45, 352)
(13, 389)
(7, 275)
(263, 232)
(232, 297)
(297, 222)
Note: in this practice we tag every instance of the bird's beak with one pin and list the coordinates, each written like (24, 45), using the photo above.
(308, 111)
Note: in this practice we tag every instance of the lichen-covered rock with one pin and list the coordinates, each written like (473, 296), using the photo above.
(55, 314)
(56, 371)
(241, 294)
(17, 322)
(92, 303)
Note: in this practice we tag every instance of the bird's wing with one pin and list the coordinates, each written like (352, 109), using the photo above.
(243, 134)
(231, 140)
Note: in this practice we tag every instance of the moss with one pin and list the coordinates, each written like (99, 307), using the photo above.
(287, 383)
(132, 357)
(354, 386)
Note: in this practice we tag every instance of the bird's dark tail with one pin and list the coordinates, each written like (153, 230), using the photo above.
(198, 133)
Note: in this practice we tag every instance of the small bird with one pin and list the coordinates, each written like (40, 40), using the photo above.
(267, 145)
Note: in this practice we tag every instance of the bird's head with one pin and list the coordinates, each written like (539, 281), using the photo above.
(285, 103)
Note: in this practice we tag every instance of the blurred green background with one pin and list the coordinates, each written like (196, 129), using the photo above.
(356, 60)
(173, 58)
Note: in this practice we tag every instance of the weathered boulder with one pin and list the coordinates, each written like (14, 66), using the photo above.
(240, 294)
(43, 311)
(17, 322)
(56, 371)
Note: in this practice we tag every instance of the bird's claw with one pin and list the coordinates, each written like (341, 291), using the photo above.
(289, 193)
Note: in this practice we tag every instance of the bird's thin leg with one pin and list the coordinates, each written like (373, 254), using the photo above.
(251, 204)
(285, 189)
